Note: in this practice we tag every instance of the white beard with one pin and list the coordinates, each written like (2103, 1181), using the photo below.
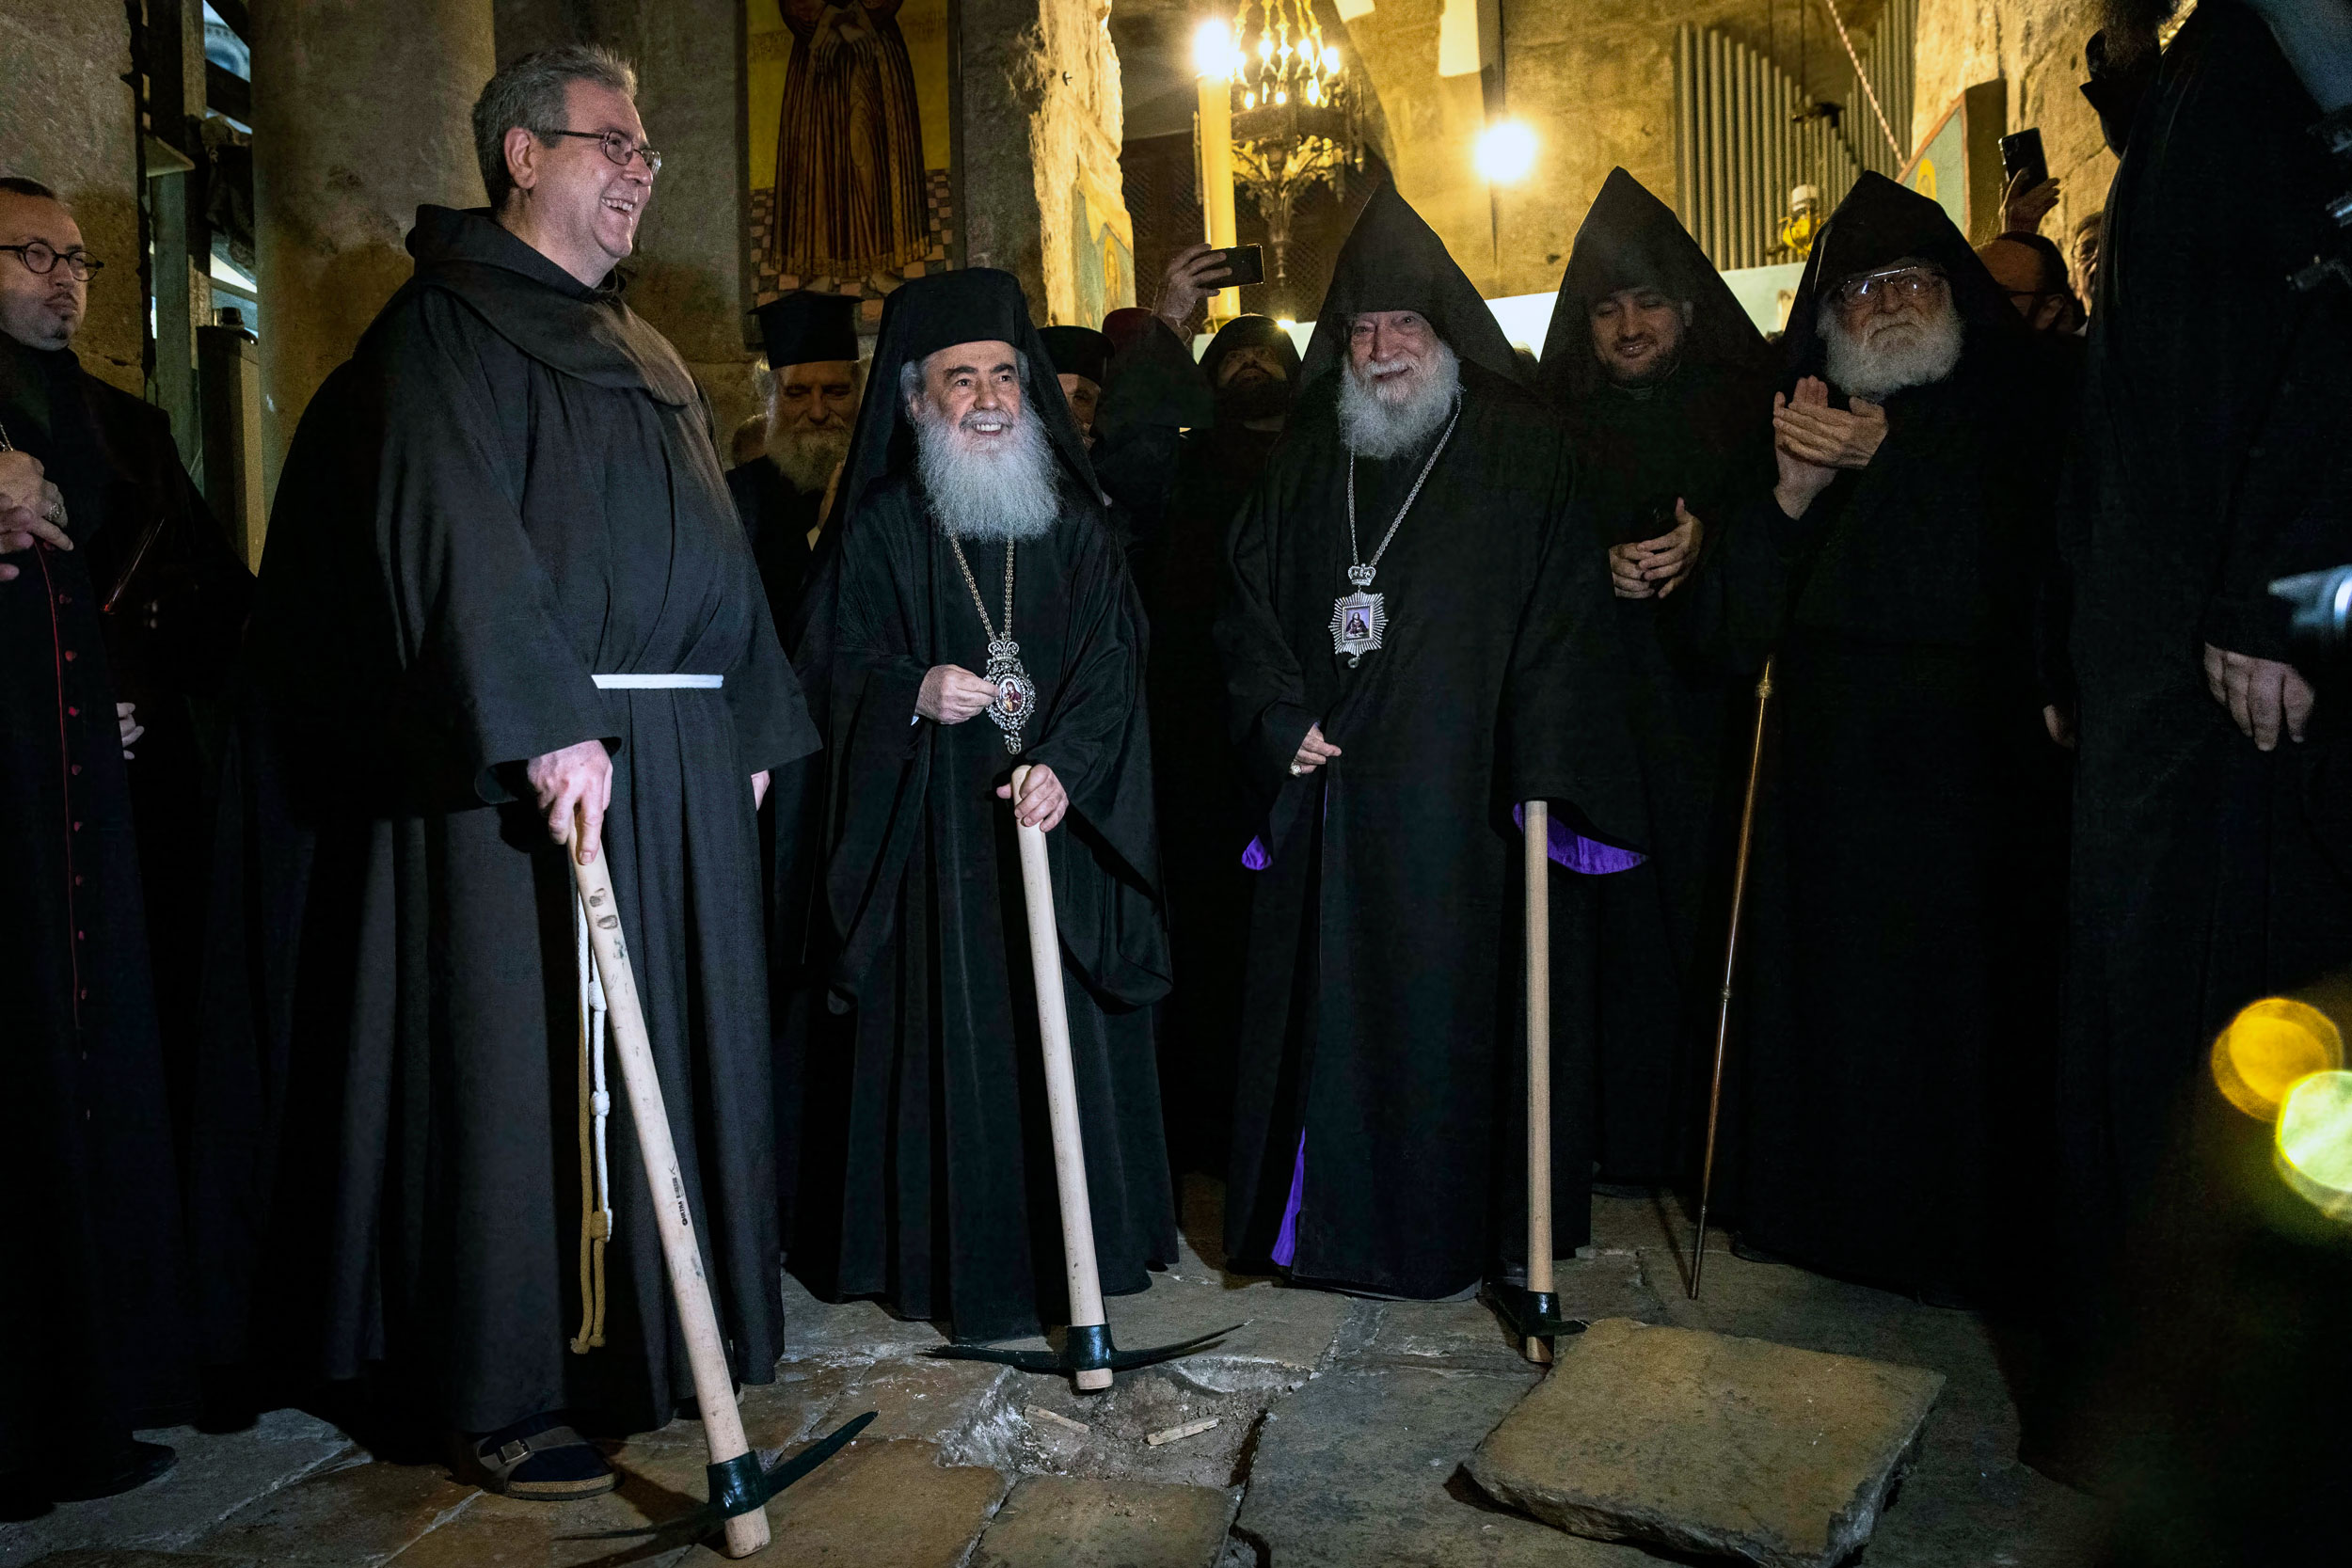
(1001, 490)
(806, 458)
(1901, 357)
(1381, 420)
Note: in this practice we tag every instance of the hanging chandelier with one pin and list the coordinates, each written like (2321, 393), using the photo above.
(1295, 115)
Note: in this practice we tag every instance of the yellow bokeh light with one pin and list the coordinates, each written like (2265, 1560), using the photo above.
(1212, 50)
(2267, 1048)
(2314, 1141)
(1505, 152)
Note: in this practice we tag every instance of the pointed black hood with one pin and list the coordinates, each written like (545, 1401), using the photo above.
(1392, 260)
(581, 330)
(1881, 223)
(920, 318)
(1077, 351)
(1631, 240)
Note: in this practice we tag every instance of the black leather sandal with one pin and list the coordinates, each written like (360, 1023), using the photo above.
(552, 1463)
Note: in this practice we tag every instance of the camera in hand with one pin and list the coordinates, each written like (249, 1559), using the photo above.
(2319, 610)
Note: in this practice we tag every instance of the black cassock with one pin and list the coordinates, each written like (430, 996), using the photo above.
(92, 1305)
(1703, 436)
(1380, 1073)
(1902, 940)
(2215, 404)
(927, 1171)
(777, 518)
(508, 489)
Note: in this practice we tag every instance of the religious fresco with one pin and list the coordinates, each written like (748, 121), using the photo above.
(1102, 252)
(848, 149)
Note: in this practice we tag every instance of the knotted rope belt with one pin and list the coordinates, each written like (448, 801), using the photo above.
(595, 1101)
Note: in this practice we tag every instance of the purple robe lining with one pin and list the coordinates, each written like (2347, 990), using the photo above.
(1566, 847)
(1286, 1239)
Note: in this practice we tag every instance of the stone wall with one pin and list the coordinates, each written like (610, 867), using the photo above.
(1041, 122)
(1594, 80)
(66, 119)
(2036, 46)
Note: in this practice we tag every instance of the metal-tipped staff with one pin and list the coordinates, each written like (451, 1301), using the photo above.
(1087, 1352)
(1533, 1311)
(740, 1489)
(1731, 958)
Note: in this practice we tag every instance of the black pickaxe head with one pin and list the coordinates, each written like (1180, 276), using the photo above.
(1530, 1314)
(740, 1485)
(1086, 1349)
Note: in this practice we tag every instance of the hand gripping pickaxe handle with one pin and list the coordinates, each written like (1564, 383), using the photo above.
(1087, 1355)
(705, 1355)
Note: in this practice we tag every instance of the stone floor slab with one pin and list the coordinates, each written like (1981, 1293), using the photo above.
(1021, 1434)
(1364, 1467)
(920, 1398)
(1062, 1522)
(817, 1330)
(353, 1517)
(137, 1558)
(1706, 1442)
(875, 1504)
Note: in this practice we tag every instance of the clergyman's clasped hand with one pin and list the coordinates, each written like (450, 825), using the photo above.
(952, 694)
(1812, 441)
(1043, 802)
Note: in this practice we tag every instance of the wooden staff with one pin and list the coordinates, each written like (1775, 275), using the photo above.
(1537, 840)
(1061, 1090)
(714, 1388)
(1731, 958)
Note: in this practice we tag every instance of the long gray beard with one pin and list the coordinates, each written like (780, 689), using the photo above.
(1005, 491)
(1379, 426)
(1862, 372)
(808, 457)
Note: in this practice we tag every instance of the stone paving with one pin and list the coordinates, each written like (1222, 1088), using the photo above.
(1343, 1432)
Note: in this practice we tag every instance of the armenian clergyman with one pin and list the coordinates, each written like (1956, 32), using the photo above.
(1910, 824)
(504, 538)
(1412, 644)
(1666, 384)
(812, 402)
(974, 615)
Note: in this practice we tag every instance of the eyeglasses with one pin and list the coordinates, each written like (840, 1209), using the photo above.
(618, 148)
(41, 259)
(1905, 283)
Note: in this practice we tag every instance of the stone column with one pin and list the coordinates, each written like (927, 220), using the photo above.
(66, 119)
(361, 113)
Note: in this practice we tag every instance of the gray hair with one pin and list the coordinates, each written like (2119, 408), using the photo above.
(529, 93)
(911, 373)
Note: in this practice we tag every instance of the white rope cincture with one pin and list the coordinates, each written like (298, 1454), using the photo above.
(595, 1111)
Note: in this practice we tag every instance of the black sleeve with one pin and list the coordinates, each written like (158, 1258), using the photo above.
(1266, 688)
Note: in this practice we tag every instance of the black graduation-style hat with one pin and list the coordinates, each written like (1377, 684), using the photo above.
(1879, 224)
(1631, 240)
(805, 328)
(1077, 351)
(1393, 261)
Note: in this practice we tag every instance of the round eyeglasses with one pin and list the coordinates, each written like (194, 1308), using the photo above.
(1904, 283)
(41, 258)
(618, 148)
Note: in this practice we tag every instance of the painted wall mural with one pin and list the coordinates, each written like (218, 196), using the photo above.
(851, 167)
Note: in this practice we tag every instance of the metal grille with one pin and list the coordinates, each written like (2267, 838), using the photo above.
(1740, 145)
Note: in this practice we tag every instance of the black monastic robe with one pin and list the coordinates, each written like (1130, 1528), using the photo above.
(1703, 436)
(1901, 951)
(927, 1174)
(1381, 1048)
(509, 488)
(778, 517)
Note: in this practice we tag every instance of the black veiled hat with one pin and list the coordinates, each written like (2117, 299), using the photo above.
(805, 328)
(1251, 332)
(920, 318)
(1393, 261)
(1631, 240)
(1879, 224)
(1077, 351)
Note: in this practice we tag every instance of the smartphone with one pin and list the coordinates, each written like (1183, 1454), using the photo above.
(2022, 153)
(1244, 264)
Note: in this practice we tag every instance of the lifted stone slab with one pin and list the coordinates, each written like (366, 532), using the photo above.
(1704, 1443)
(1063, 1522)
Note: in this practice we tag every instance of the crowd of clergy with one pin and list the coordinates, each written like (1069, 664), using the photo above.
(1964, 609)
